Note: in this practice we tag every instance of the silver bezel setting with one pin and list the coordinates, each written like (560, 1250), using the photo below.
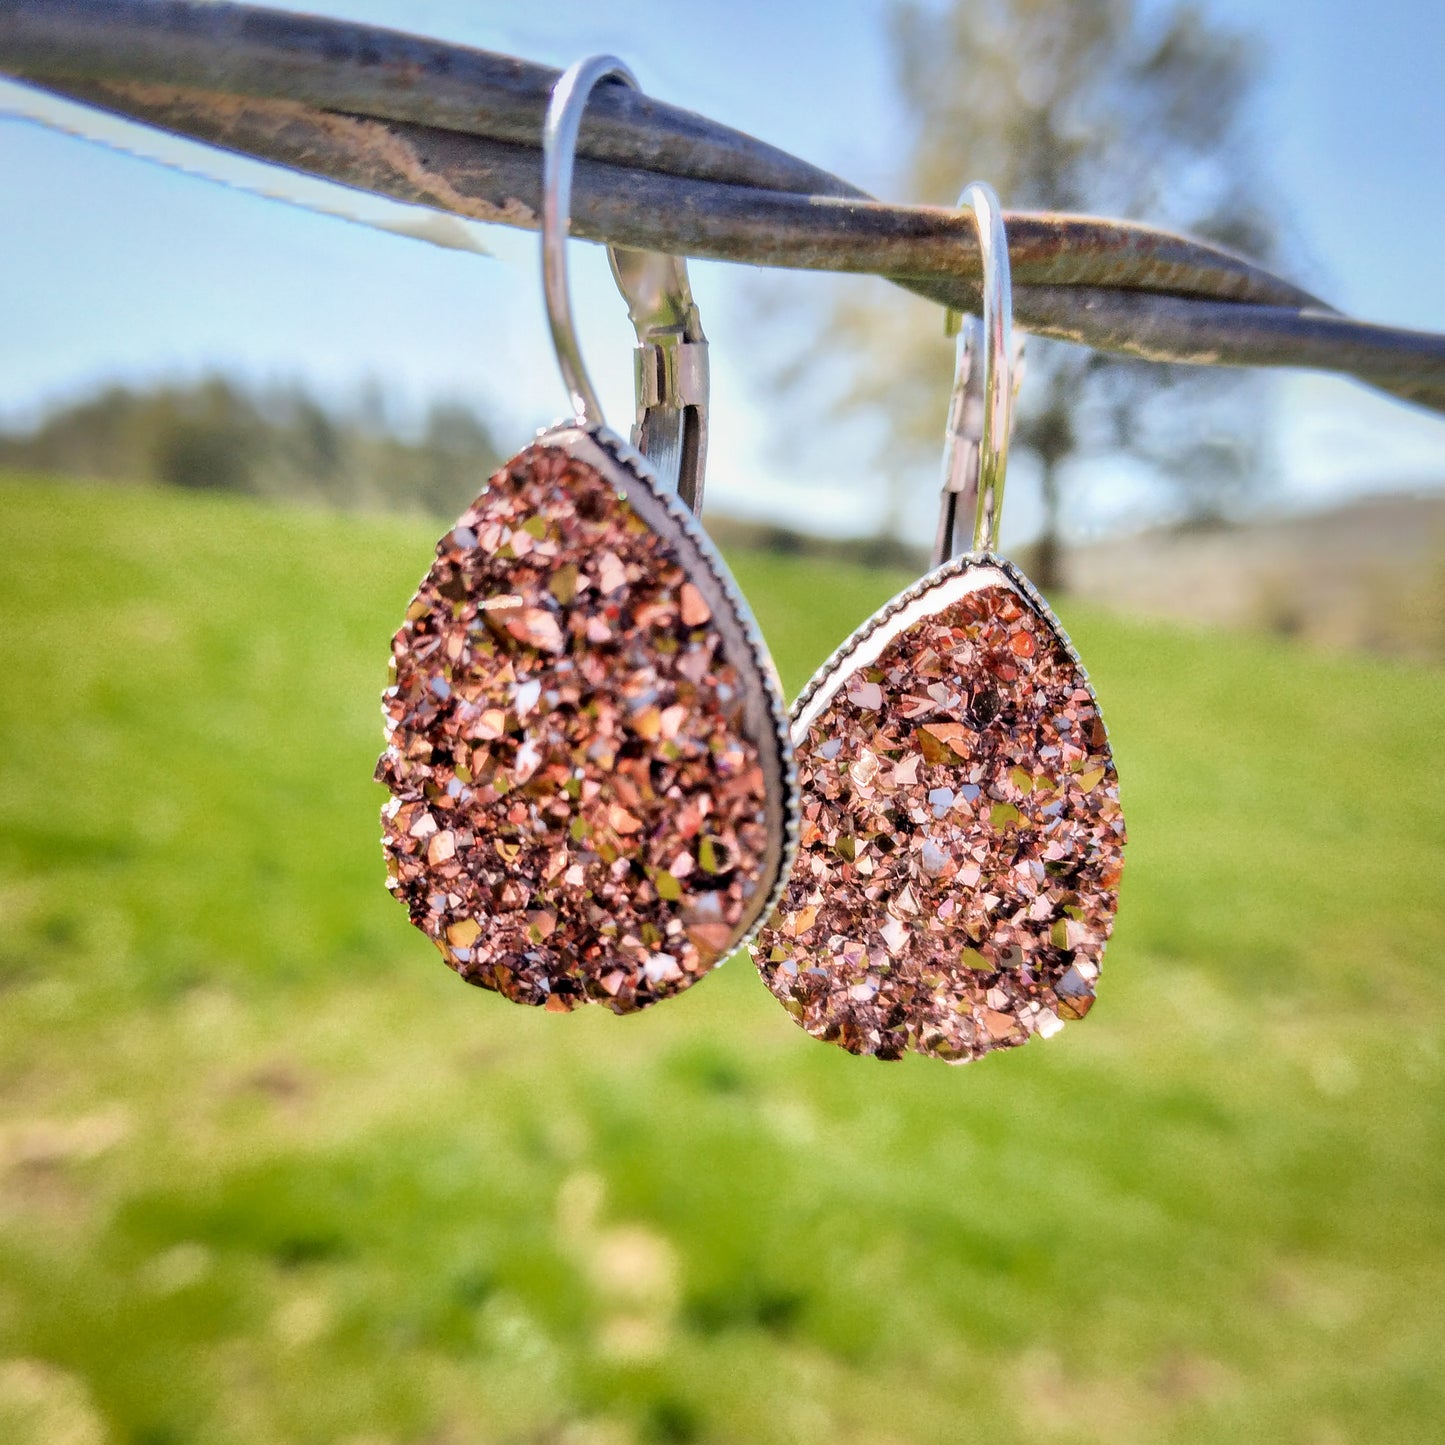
(931, 593)
(765, 713)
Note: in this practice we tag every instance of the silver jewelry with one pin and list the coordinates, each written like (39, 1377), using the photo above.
(593, 796)
(960, 838)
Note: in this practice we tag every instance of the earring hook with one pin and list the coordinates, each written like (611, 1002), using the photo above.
(671, 362)
(985, 383)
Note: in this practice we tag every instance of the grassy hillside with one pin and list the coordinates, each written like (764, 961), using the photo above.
(269, 1173)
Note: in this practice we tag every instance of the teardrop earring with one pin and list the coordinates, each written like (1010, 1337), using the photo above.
(588, 755)
(961, 837)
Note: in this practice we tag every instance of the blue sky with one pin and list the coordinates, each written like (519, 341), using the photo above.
(114, 266)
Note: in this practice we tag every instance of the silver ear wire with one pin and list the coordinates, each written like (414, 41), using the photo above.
(671, 361)
(985, 381)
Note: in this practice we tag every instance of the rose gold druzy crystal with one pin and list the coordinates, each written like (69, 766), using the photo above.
(961, 836)
(577, 814)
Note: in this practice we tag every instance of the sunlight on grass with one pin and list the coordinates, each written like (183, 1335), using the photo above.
(268, 1172)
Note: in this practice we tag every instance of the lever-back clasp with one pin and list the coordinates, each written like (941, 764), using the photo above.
(671, 365)
(986, 377)
(963, 435)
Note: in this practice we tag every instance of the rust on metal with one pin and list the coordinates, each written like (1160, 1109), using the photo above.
(458, 130)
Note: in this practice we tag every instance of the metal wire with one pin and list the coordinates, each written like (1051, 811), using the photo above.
(995, 363)
(559, 142)
(459, 129)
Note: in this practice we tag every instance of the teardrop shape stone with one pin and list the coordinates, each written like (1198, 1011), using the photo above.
(584, 779)
(961, 839)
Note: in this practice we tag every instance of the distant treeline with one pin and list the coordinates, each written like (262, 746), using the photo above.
(741, 535)
(280, 441)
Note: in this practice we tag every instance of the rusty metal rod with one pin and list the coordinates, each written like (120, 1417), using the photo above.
(342, 66)
(457, 129)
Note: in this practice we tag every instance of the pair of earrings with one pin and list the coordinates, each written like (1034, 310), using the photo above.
(597, 791)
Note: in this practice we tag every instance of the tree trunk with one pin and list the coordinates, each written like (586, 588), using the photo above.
(1048, 570)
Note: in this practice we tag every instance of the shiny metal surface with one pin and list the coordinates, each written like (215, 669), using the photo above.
(671, 374)
(998, 389)
(988, 367)
(559, 148)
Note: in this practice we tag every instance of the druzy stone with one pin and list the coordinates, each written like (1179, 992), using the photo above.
(961, 839)
(579, 803)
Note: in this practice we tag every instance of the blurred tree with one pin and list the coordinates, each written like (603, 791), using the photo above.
(1104, 106)
(215, 434)
(455, 442)
(320, 444)
(210, 441)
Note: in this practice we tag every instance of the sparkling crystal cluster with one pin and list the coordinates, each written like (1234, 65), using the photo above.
(576, 814)
(961, 842)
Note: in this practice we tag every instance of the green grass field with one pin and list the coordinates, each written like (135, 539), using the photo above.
(269, 1173)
